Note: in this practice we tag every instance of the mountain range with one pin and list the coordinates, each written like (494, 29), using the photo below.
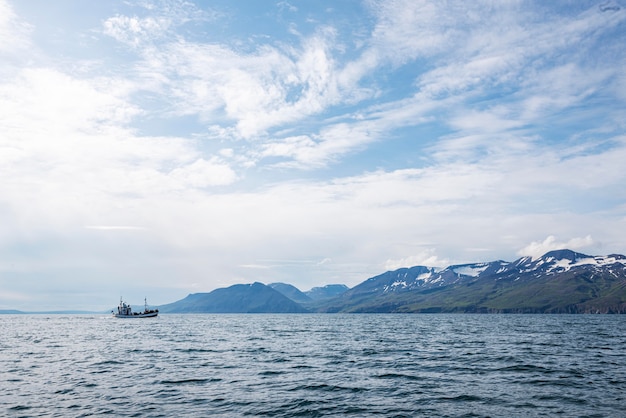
(561, 281)
(239, 298)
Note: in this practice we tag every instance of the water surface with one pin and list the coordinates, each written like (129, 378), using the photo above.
(313, 365)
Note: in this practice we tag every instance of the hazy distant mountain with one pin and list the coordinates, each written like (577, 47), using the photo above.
(326, 292)
(561, 281)
(309, 297)
(62, 312)
(291, 292)
(241, 298)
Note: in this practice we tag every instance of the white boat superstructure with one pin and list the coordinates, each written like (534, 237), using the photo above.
(124, 310)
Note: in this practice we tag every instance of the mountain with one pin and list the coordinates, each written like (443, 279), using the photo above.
(240, 298)
(291, 292)
(561, 281)
(326, 292)
(63, 312)
(310, 297)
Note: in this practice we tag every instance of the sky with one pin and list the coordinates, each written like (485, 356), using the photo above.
(166, 147)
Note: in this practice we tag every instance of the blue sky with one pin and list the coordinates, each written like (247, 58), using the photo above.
(160, 148)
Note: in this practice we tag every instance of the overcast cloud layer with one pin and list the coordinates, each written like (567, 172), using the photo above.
(160, 148)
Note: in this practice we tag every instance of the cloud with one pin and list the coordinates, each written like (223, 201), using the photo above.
(154, 22)
(271, 86)
(407, 29)
(538, 248)
(67, 146)
(427, 258)
(14, 32)
(333, 142)
(256, 91)
(203, 173)
(114, 228)
(55, 103)
(135, 31)
(490, 58)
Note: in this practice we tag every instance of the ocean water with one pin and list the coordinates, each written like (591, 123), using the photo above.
(313, 365)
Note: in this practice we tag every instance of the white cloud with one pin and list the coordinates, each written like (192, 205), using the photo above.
(276, 86)
(14, 33)
(158, 22)
(333, 142)
(427, 258)
(493, 56)
(254, 91)
(114, 228)
(538, 248)
(203, 173)
(293, 147)
(46, 101)
(406, 29)
(66, 147)
(135, 31)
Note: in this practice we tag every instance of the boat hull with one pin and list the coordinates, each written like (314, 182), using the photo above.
(138, 315)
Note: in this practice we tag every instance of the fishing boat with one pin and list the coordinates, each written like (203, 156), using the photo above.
(124, 310)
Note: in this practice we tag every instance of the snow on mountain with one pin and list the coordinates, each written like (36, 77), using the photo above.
(560, 281)
(561, 261)
(400, 280)
(407, 279)
(473, 270)
(420, 278)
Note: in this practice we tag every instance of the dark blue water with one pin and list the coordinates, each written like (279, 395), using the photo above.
(313, 365)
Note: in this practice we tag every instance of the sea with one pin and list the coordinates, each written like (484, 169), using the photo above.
(310, 365)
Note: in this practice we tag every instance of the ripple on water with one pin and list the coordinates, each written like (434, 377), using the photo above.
(314, 365)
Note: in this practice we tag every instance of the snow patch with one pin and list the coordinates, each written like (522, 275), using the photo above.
(566, 264)
(607, 260)
(470, 270)
(563, 265)
(393, 286)
(435, 279)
